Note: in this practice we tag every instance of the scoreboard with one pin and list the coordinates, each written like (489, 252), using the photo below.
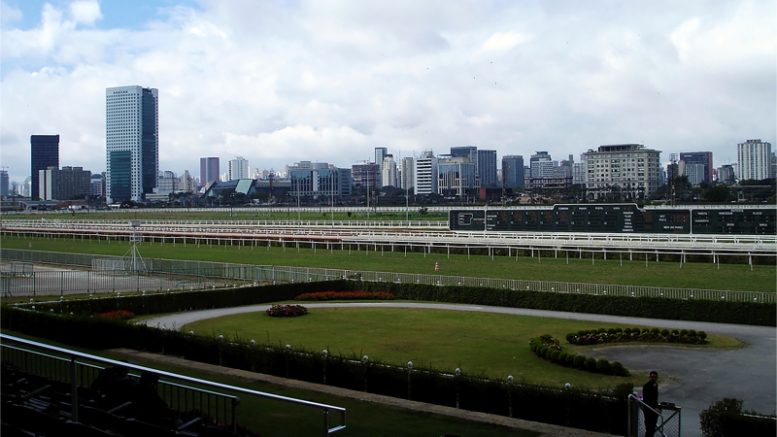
(618, 218)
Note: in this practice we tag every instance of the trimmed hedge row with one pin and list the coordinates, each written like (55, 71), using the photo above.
(549, 348)
(601, 412)
(747, 313)
(653, 335)
(345, 295)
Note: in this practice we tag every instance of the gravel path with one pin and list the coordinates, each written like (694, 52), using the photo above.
(699, 377)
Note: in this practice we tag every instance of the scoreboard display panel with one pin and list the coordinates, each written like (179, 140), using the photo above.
(618, 218)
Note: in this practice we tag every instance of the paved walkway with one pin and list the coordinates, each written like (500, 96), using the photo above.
(698, 377)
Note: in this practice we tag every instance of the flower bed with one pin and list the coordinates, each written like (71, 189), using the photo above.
(345, 295)
(654, 335)
(116, 315)
(549, 348)
(286, 311)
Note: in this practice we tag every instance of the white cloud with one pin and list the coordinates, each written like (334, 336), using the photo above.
(504, 41)
(327, 81)
(85, 11)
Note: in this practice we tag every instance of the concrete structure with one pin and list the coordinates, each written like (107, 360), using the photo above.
(380, 154)
(456, 176)
(512, 172)
(726, 174)
(319, 180)
(209, 169)
(407, 173)
(388, 172)
(702, 158)
(629, 171)
(425, 175)
(97, 185)
(237, 169)
(132, 142)
(44, 153)
(69, 183)
(754, 158)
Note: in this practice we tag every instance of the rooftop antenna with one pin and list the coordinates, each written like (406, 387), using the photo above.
(136, 260)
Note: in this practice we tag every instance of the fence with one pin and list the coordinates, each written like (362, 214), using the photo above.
(668, 418)
(183, 393)
(204, 273)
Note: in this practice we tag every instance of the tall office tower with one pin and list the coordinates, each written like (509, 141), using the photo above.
(726, 174)
(4, 183)
(365, 175)
(407, 182)
(380, 154)
(44, 153)
(388, 172)
(132, 142)
(512, 171)
(628, 169)
(237, 169)
(754, 157)
(209, 170)
(487, 168)
(456, 176)
(470, 152)
(425, 173)
(702, 158)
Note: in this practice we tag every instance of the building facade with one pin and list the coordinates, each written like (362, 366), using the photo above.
(628, 171)
(512, 172)
(701, 158)
(319, 180)
(366, 175)
(132, 142)
(388, 172)
(425, 174)
(407, 173)
(44, 153)
(487, 168)
(69, 183)
(5, 185)
(456, 176)
(754, 158)
(237, 169)
(209, 170)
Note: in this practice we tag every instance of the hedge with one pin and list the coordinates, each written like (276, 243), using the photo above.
(747, 313)
(549, 348)
(725, 418)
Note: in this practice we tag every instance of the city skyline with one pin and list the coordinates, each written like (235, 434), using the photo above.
(281, 83)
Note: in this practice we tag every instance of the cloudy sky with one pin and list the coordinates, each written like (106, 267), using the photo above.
(323, 80)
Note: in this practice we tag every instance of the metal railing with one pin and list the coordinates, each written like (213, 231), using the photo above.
(209, 274)
(668, 423)
(181, 392)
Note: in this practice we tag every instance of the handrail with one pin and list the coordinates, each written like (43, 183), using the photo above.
(75, 354)
(660, 426)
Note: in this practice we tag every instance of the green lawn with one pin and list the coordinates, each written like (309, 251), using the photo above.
(482, 344)
(546, 268)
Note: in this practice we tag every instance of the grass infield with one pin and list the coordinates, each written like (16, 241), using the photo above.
(546, 268)
(481, 344)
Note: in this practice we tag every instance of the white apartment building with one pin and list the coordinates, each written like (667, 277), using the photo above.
(754, 158)
(630, 169)
(237, 169)
(425, 174)
(388, 172)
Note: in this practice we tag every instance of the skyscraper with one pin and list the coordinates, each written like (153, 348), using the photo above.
(44, 153)
(132, 142)
(209, 170)
(4, 183)
(754, 158)
(425, 175)
(512, 171)
(487, 168)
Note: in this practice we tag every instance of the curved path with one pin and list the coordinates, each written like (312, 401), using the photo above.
(699, 377)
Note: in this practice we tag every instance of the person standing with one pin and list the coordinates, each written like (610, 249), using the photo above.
(650, 398)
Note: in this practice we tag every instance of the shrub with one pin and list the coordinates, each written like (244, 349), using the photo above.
(579, 362)
(286, 311)
(345, 295)
(590, 364)
(603, 366)
(116, 315)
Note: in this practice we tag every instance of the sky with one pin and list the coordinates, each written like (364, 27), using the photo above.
(278, 82)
